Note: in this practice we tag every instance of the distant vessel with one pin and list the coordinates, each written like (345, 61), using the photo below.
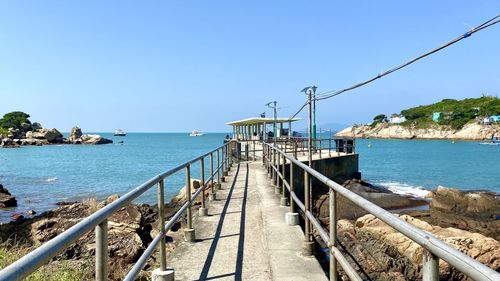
(495, 140)
(120, 133)
(196, 134)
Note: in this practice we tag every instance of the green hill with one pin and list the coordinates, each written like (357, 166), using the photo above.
(453, 113)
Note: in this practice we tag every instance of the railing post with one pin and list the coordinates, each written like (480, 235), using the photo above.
(275, 175)
(291, 218)
(332, 197)
(320, 150)
(218, 170)
(430, 270)
(211, 196)
(101, 251)
(228, 149)
(221, 165)
(308, 244)
(202, 211)
(224, 161)
(277, 187)
(330, 147)
(283, 199)
(189, 234)
(163, 273)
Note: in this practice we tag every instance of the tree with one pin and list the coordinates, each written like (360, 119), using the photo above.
(14, 120)
(379, 118)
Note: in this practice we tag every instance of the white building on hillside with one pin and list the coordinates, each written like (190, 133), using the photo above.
(396, 119)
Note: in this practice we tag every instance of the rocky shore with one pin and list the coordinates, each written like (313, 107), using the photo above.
(34, 134)
(130, 231)
(392, 131)
(468, 221)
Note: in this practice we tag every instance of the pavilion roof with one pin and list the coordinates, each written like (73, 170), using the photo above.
(260, 120)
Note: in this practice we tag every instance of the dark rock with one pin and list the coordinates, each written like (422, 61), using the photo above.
(31, 212)
(6, 199)
(65, 203)
(36, 126)
(470, 204)
(15, 217)
(75, 134)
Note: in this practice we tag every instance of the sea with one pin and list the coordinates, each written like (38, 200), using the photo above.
(41, 176)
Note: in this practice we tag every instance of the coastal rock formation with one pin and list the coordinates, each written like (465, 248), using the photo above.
(388, 255)
(391, 131)
(474, 211)
(6, 199)
(380, 196)
(77, 137)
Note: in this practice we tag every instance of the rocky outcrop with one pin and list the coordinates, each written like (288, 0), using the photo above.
(40, 136)
(379, 196)
(475, 211)
(386, 254)
(390, 131)
(6, 199)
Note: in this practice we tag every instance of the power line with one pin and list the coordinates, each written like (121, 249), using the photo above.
(330, 94)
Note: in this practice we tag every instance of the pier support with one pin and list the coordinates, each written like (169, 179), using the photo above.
(163, 275)
(203, 212)
(283, 201)
(189, 235)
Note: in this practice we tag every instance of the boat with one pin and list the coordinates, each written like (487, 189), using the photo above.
(495, 140)
(120, 133)
(196, 134)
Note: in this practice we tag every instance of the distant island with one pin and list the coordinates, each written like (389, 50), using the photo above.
(16, 129)
(468, 119)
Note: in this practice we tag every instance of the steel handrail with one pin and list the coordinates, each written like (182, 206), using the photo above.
(467, 265)
(41, 255)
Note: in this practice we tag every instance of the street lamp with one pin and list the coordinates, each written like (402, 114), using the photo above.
(272, 104)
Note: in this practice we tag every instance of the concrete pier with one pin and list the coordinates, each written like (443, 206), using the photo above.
(245, 236)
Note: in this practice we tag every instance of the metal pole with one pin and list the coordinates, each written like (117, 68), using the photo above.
(292, 203)
(101, 251)
(284, 199)
(202, 185)
(307, 251)
(218, 169)
(333, 233)
(430, 267)
(212, 174)
(161, 225)
(189, 217)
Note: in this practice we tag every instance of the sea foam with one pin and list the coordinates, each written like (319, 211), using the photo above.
(404, 189)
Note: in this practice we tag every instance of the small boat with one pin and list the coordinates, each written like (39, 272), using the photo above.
(120, 133)
(196, 134)
(495, 140)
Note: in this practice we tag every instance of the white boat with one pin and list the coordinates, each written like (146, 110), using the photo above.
(495, 140)
(196, 134)
(120, 133)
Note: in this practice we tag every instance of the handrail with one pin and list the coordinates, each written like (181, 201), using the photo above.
(35, 259)
(467, 265)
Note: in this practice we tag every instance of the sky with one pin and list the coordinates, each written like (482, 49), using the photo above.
(177, 66)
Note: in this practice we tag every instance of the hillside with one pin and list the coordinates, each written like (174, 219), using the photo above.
(453, 113)
(447, 119)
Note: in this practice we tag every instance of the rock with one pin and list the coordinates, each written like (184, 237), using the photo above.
(15, 217)
(388, 255)
(36, 126)
(471, 204)
(94, 139)
(25, 126)
(31, 212)
(75, 134)
(6, 199)
(380, 196)
(53, 135)
(29, 134)
(391, 131)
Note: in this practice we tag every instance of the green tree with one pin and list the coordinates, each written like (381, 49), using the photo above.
(14, 120)
(379, 118)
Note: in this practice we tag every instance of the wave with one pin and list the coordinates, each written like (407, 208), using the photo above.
(404, 189)
(51, 179)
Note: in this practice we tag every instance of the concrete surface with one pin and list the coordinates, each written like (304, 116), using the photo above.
(244, 236)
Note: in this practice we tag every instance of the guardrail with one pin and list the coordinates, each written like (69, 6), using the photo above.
(98, 220)
(274, 159)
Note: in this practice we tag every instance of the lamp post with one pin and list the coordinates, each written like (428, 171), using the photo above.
(272, 104)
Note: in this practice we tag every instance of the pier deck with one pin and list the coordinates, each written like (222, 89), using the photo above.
(243, 237)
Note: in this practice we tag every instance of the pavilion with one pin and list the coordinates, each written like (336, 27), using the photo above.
(256, 127)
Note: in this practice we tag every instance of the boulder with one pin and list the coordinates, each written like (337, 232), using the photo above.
(36, 126)
(15, 217)
(75, 134)
(386, 254)
(470, 204)
(93, 139)
(25, 126)
(6, 199)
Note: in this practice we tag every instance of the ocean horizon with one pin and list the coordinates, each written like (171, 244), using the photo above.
(41, 176)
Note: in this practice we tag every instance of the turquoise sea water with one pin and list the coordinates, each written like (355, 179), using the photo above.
(41, 176)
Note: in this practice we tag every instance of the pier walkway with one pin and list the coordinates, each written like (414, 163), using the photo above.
(242, 237)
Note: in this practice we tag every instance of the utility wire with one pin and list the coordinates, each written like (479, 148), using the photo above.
(330, 94)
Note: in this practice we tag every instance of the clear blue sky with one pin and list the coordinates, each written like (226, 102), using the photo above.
(184, 65)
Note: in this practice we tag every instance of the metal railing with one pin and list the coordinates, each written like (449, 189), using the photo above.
(275, 159)
(99, 220)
